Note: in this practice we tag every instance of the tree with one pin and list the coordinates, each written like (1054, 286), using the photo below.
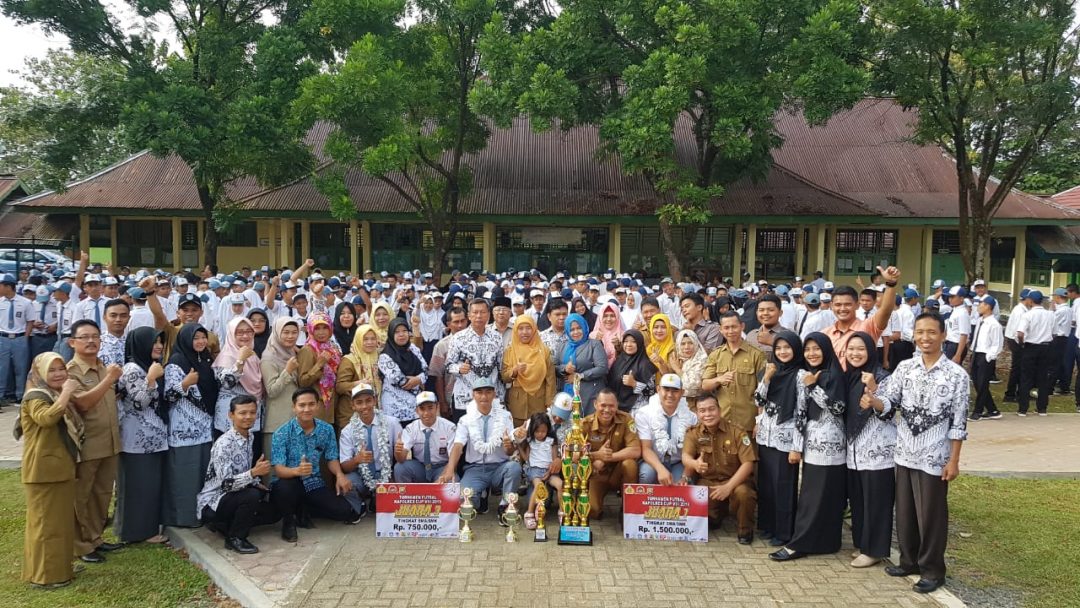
(50, 129)
(1056, 167)
(643, 70)
(220, 102)
(399, 105)
(994, 81)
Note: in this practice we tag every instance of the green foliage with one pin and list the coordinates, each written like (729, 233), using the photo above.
(643, 71)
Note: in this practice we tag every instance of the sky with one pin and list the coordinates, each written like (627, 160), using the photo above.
(20, 42)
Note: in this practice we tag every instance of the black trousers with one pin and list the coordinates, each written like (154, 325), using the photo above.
(981, 373)
(1036, 371)
(238, 512)
(922, 521)
(291, 499)
(900, 351)
(778, 491)
(819, 520)
(1016, 350)
(871, 494)
(1058, 346)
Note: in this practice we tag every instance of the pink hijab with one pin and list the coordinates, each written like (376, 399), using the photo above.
(251, 377)
(329, 377)
(605, 335)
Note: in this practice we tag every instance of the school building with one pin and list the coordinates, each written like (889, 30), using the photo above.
(841, 198)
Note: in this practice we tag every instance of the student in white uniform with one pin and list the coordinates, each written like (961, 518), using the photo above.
(1035, 333)
(424, 447)
(15, 314)
(987, 343)
(1015, 348)
(43, 322)
(957, 326)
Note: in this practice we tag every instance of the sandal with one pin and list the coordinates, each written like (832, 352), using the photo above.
(157, 539)
(530, 521)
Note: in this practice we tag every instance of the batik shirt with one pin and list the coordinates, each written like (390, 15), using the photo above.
(188, 424)
(112, 349)
(820, 441)
(142, 431)
(770, 433)
(229, 470)
(483, 353)
(554, 341)
(933, 411)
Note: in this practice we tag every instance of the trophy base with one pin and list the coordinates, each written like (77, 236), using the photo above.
(540, 536)
(575, 535)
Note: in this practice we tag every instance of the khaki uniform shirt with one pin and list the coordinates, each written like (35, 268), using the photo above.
(724, 449)
(622, 432)
(102, 427)
(737, 399)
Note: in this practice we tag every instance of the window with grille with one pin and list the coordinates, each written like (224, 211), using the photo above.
(242, 234)
(946, 242)
(781, 241)
(859, 251)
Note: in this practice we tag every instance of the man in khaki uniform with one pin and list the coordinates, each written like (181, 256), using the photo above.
(731, 373)
(722, 457)
(96, 471)
(614, 449)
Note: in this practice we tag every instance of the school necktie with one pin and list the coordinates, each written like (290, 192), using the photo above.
(669, 425)
(60, 319)
(43, 304)
(289, 308)
(427, 448)
(371, 448)
(97, 313)
(11, 314)
(486, 419)
(866, 314)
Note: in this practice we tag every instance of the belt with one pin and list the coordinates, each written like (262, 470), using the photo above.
(7, 335)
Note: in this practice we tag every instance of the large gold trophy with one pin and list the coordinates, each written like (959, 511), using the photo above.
(576, 468)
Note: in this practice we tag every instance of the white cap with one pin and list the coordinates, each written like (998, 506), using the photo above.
(978, 282)
(363, 388)
(237, 298)
(92, 278)
(826, 297)
(111, 281)
(671, 381)
(536, 292)
(796, 291)
(829, 285)
(426, 397)
(181, 281)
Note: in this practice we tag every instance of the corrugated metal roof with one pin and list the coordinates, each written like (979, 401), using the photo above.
(1068, 198)
(867, 154)
(10, 187)
(1056, 241)
(24, 227)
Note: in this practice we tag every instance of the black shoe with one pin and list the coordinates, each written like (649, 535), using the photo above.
(746, 539)
(240, 545)
(356, 517)
(899, 571)
(501, 512)
(93, 557)
(482, 504)
(786, 555)
(974, 417)
(110, 546)
(776, 542)
(926, 585)
(994, 416)
(288, 529)
(765, 535)
(1010, 398)
(304, 521)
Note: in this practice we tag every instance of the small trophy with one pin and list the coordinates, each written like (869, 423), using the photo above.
(541, 511)
(511, 517)
(467, 513)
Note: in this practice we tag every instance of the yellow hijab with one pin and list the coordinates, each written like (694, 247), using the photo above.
(534, 355)
(667, 345)
(357, 354)
(380, 331)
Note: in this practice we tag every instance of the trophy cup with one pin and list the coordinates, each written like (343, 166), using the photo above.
(576, 468)
(466, 513)
(511, 517)
(541, 511)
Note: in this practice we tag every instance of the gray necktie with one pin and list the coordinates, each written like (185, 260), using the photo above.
(427, 448)
(97, 313)
(371, 448)
(11, 314)
(486, 419)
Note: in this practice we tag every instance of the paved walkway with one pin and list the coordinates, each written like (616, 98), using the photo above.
(1025, 446)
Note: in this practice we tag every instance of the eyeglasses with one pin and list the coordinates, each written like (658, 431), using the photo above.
(245, 332)
(93, 338)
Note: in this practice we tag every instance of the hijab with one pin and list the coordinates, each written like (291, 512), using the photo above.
(693, 368)
(631, 313)
(784, 384)
(605, 335)
(261, 340)
(251, 375)
(329, 377)
(186, 358)
(381, 332)
(276, 351)
(571, 345)
(589, 315)
(357, 354)
(402, 356)
(855, 416)
(431, 322)
(72, 429)
(139, 347)
(638, 365)
(662, 348)
(343, 335)
(831, 380)
(534, 355)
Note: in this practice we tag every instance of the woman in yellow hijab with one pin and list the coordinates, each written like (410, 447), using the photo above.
(381, 315)
(360, 365)
(528, 369)
(661, 344)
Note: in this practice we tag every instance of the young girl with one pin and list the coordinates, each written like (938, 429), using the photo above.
(542, 455)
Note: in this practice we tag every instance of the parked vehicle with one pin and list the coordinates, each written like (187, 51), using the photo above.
(13, 260)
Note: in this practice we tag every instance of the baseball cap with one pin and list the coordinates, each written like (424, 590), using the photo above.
(560, 406)
(366, 389)
(483, 383)
(931, 303)
(938, 284)
(237, 298)
(978, 282)
(671, 381)
(990, 301)
(811, 298)
(137, 293)
(1024, 293)
(829, 285)
(826, 297)
(181, 281)
(957, 290)
(781, 290)
(8, 279)
(64, 286)
(188, 298)
(111, 281)
(41, 294)
(910, 293)
(423, 397)
(92, 278)
(1060, 291)
(1036, 296)
(798, 278)
(796, 291)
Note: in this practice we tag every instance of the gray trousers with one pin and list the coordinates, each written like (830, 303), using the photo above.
(922, 521)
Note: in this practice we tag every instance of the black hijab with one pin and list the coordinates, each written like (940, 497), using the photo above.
(401, 355)
(185, 357)
(139, 348)
(261, 340)
(831, 380)
(854, 415)
(344, 336)
(784, 384)
(590, 316)
(637, 364)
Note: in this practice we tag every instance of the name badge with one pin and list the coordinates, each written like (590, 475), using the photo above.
(442, 451)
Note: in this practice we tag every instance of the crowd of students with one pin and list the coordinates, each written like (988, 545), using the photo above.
(280, 395)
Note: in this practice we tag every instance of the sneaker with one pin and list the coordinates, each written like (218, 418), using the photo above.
(482, 504)
(1043, 413)
(995, 381)
(974, 417)
(1021, 414)
(356, 517)
(994, 416)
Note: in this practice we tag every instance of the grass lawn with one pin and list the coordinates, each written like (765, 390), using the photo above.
(143, 576)
(1017, 534)
(1059, 404)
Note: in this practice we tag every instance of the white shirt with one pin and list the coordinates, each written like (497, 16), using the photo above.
(540, 454)
(85, 310)
(958, 324)
(651, 420)
(905, 320)
(49, 318)
(354, 435)
(1063, 317)
(442, 437)
(817, 320)
(1015, 317)
(65, 315)
(18, 322)
(469, 433)
(989, 337)
(141, 316)
(788, 314)
(1037, 326)
(168, 306)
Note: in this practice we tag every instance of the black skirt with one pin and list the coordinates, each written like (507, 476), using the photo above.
(819, 519)
(138, 496)
(778, 491)
(872, 495)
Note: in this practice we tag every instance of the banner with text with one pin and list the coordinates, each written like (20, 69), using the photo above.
(416, 510)
(655, 512)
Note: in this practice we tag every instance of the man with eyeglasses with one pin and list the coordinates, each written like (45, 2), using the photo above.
(96, 471)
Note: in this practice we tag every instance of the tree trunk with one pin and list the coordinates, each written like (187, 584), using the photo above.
(676, 249)
(210, 234)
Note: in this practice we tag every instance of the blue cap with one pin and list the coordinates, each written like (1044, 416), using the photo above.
(910, 293)
(334, 282)
(957, 290)
(781, 290)
(260, 286)
(8, 279)
(1036, 296)
(137, 293)
(567, 293)
(931, 303)
(938, 283)
(188, 298)
(990, 301)
(1024, 293)
(483, 382)
(64, 286)
(1060, 291)
(812, 298)
(612, 285)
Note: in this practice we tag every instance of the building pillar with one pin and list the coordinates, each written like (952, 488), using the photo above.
(177, 245)
(736, 256)
(751, 251)
(365, 243)
(305, 239)
(928, 259)
(800, 246)
(354, 253)
(615, 247)
(282, 237)
(112, 244)
(817, 250)
(272, 251)
(200, 234)
(1019, 265)
(84, 234)
(489, 247)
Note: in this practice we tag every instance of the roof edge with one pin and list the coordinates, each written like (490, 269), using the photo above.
(72, 184)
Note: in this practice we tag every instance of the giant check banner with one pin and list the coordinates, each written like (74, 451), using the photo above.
(416, 510)
(655, 512)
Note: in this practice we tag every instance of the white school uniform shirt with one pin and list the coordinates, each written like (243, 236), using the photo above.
(788, 314)
(817, 320)
(1063, 317)
(1015, 317)
(354, 435)
(65, 315)
(1037, 326)
(989, 337)
(469, 432)
(651, 417)
(442, 438)
(16, 323)
(85, 310)
(905, 319)
(49, 318)
(958, 324)
(141, 316)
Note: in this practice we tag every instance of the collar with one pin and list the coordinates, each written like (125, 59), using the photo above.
(938, 363)
(85, 367)
(733, 350)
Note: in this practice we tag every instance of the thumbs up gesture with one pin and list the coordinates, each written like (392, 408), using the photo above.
(305, 467)
(869, 382)
(262, 467)
(400, 453)
(604, 453)
(507, 444)
(811, 379)
(155, 372)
